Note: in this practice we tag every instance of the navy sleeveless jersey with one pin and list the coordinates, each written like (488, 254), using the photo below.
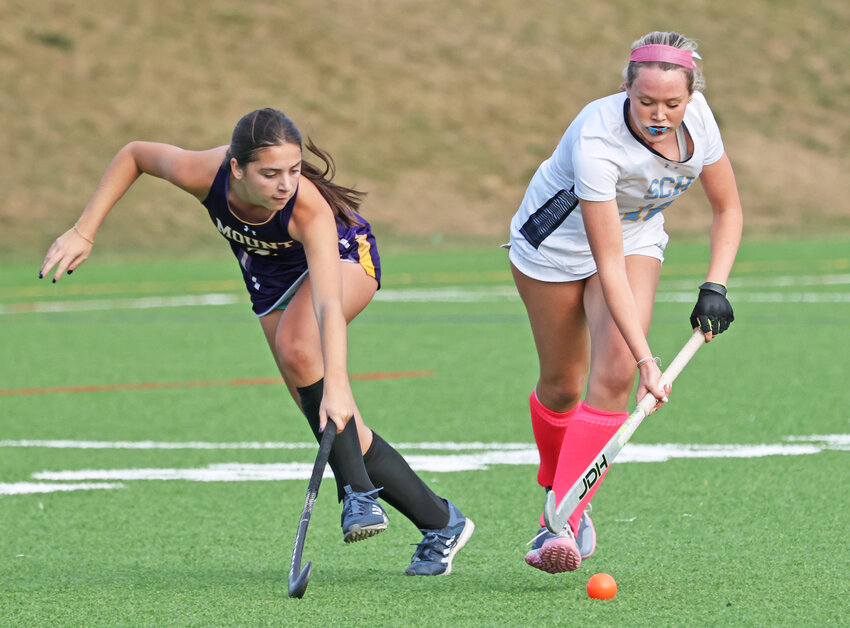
(273, 264)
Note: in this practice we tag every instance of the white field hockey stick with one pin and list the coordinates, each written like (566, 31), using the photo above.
(298, 578)
(556, 515)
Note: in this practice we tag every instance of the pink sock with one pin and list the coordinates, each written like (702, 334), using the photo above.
(549, 428)
(589, 432)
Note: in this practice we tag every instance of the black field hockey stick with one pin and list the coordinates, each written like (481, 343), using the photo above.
(556, 515)
(298, 578)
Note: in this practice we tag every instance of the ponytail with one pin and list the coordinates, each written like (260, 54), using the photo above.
(344, 201)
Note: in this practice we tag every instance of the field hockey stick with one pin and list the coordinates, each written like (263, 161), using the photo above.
(298, 578)
(556, 515)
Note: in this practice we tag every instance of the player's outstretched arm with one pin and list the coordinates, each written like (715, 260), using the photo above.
(190, 170)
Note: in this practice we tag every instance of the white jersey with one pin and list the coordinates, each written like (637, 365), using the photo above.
(599, 158)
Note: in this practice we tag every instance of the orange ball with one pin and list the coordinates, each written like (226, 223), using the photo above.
(601, 586)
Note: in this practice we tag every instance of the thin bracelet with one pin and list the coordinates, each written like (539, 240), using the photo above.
(82, 236)
(656, 359)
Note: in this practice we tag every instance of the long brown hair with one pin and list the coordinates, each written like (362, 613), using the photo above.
(270, 127)
(345, 201)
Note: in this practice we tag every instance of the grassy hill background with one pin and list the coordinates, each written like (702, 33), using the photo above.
(440, 110)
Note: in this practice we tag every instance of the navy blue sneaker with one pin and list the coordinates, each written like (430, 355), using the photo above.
(362, 515)
(435, 552)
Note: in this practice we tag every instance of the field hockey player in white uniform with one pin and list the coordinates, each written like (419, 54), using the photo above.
(586, 249)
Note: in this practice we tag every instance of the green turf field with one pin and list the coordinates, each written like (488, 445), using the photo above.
(147, 389)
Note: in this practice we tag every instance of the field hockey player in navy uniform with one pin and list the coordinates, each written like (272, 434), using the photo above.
(310, 265)
(586, 249)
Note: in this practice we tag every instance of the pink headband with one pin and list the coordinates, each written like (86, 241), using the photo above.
(666, 54)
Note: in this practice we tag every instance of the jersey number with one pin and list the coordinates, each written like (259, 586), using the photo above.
(646, 212)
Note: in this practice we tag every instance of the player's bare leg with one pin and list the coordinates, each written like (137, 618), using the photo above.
(293, 335)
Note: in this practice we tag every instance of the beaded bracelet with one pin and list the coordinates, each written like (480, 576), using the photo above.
(82, 236)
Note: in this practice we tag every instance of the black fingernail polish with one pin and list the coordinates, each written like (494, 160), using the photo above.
(70, 271)
(41, 275)
(54, 280)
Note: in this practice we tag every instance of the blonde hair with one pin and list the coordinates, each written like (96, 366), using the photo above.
(675, 40)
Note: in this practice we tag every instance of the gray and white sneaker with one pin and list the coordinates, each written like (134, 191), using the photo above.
(435, 552)
(554, 553)
(362, 515)
(586, 537)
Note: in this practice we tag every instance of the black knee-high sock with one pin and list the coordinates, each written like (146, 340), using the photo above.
(403, 488)
(346, 459)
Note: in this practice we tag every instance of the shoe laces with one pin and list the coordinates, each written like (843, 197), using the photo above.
(567, 531)
(359, 503)
(432, 546)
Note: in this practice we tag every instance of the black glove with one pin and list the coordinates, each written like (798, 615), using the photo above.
(712, 313)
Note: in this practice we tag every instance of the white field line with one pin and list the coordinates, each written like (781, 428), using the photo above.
(836, 441)
(29, 488)
(828, 441)
(449, 294)
(669, 291)
(762, 297)
(483, 456)
(142, 303)
(149, 444)
(781, 281)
